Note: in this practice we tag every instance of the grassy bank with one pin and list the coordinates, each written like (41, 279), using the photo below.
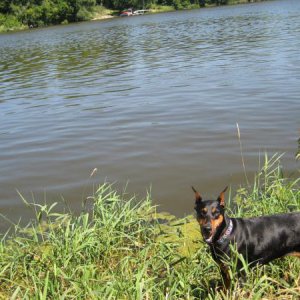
(124, 249)
(13, 23)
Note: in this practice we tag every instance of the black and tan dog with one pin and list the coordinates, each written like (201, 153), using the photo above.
(259, 240)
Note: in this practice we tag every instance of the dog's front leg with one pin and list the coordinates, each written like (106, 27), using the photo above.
(225, 275)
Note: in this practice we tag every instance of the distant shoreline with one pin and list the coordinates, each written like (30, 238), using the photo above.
(98, 18)
(102, 14)
(163, 8)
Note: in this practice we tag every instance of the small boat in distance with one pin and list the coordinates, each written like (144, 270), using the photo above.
(129, 12)
(140, 12)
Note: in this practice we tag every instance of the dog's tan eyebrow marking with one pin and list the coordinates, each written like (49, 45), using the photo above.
(204, 210)
(213, 210)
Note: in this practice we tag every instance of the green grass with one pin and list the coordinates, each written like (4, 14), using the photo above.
(125, 249)
(100, 12)
(10, 23)
(155, 8)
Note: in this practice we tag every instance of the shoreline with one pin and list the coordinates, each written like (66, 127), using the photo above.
(105, 14)
(104, 17)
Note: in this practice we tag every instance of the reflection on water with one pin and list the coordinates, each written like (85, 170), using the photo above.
(153, 100)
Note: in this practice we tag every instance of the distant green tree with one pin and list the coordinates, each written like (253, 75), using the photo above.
(202, 3)
(180, 4)
(40, 12)
(122, 4)
(80, 9)
(165, 2)
(9, 22)
(5, 6)
(217, 2)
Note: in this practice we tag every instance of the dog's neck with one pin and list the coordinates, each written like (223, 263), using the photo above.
(223, 231)
(226, 233)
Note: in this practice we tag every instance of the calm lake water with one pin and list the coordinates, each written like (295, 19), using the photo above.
(149, 101)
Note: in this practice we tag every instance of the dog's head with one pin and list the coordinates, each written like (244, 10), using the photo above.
(210, 214)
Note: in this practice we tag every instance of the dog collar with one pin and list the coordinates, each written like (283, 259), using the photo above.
(226, 233)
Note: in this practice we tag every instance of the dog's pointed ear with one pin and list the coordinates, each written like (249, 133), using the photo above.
(221, 198)
(197, 195)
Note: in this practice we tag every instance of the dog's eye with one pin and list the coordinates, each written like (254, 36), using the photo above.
(204, 211)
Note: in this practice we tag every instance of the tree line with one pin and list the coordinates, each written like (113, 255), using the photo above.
(34, 13)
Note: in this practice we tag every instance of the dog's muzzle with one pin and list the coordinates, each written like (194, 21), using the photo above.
(206, 231)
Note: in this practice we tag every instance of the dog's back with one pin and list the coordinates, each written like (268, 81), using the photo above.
(263, 239)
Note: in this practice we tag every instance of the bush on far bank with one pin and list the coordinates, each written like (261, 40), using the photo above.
(9, 22)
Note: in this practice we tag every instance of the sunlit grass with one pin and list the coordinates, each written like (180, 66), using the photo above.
(124, 249)
(155, 8)
(10, 23)
(101, 12)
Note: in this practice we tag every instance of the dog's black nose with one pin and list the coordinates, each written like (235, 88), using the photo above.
(206, 228)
